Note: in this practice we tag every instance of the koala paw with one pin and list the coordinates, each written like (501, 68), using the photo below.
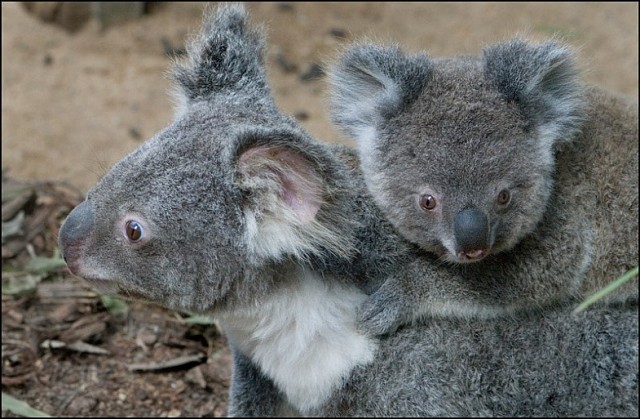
(380, 314)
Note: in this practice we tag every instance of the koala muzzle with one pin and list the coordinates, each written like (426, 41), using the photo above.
(75, 230)
(471, 230)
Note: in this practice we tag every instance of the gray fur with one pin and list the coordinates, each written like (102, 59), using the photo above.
(213, 193)
(518, 119)
(533, 366)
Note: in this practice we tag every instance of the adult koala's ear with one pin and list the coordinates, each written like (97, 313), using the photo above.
(290, 203)
(225, 58)
(543, 80)
(370, 83)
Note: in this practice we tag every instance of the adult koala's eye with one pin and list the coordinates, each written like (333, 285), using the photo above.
(134, 231)
(504, 197)
(427, 202)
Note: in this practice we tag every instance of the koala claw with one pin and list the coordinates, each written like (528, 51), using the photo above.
(379, 316)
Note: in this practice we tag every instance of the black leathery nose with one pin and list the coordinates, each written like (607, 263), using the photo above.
(471, 229)
(76, 227)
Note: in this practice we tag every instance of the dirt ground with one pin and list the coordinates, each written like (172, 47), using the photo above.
(74, 103)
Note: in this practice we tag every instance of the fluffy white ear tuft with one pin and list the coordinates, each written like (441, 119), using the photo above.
(370, 82)
(285, 195)
(543, 80)
(285, 174)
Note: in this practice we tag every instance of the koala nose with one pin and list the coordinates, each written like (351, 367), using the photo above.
(471, 230)
(76, 229)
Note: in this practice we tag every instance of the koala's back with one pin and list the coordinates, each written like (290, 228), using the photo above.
(604, 160)
(552, 365)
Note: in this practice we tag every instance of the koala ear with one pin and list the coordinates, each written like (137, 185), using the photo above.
(543, 80)
(286, 204)
(370, 83)
(286, 177)
(226, 57)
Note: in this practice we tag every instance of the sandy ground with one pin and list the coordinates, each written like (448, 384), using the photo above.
(73, 104)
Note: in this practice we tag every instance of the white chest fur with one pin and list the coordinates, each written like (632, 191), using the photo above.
(304, 338)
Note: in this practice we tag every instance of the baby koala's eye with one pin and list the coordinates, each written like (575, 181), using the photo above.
(504, 197)
(427, 202)
(134, 231)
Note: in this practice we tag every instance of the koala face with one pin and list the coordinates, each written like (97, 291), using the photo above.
(146, 229)
(198, 215)
(460, 171)
(458, 152)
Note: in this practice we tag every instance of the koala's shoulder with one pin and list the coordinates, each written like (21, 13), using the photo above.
(605, 105)
(347, 155)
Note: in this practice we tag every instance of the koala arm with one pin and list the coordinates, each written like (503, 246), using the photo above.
(391, 305)
(252, 394)
(416, 289)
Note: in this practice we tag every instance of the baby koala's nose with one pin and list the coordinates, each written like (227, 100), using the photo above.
(471, 230)
(76, 228)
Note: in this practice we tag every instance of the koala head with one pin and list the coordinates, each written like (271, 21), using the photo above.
(459, 152)
(195, 217)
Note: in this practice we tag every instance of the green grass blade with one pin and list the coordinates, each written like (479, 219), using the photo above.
(199, 319)
(607, 290)
(21, 408)
(114, 305)
(44, 265)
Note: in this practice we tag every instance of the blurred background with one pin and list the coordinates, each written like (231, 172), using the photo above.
(78, 93)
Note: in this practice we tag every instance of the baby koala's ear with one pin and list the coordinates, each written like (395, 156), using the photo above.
(543, 80)
(370, 83)
(287, 204)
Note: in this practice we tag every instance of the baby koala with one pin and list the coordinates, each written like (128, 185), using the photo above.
(504, 167)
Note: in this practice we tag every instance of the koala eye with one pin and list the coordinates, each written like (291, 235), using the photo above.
(134, 231)
(504, 197)
(427, 202)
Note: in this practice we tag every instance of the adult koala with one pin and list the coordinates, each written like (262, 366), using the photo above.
(235, 211)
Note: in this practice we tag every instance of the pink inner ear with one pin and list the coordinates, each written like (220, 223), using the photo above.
(301, 186)
(304, 202)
